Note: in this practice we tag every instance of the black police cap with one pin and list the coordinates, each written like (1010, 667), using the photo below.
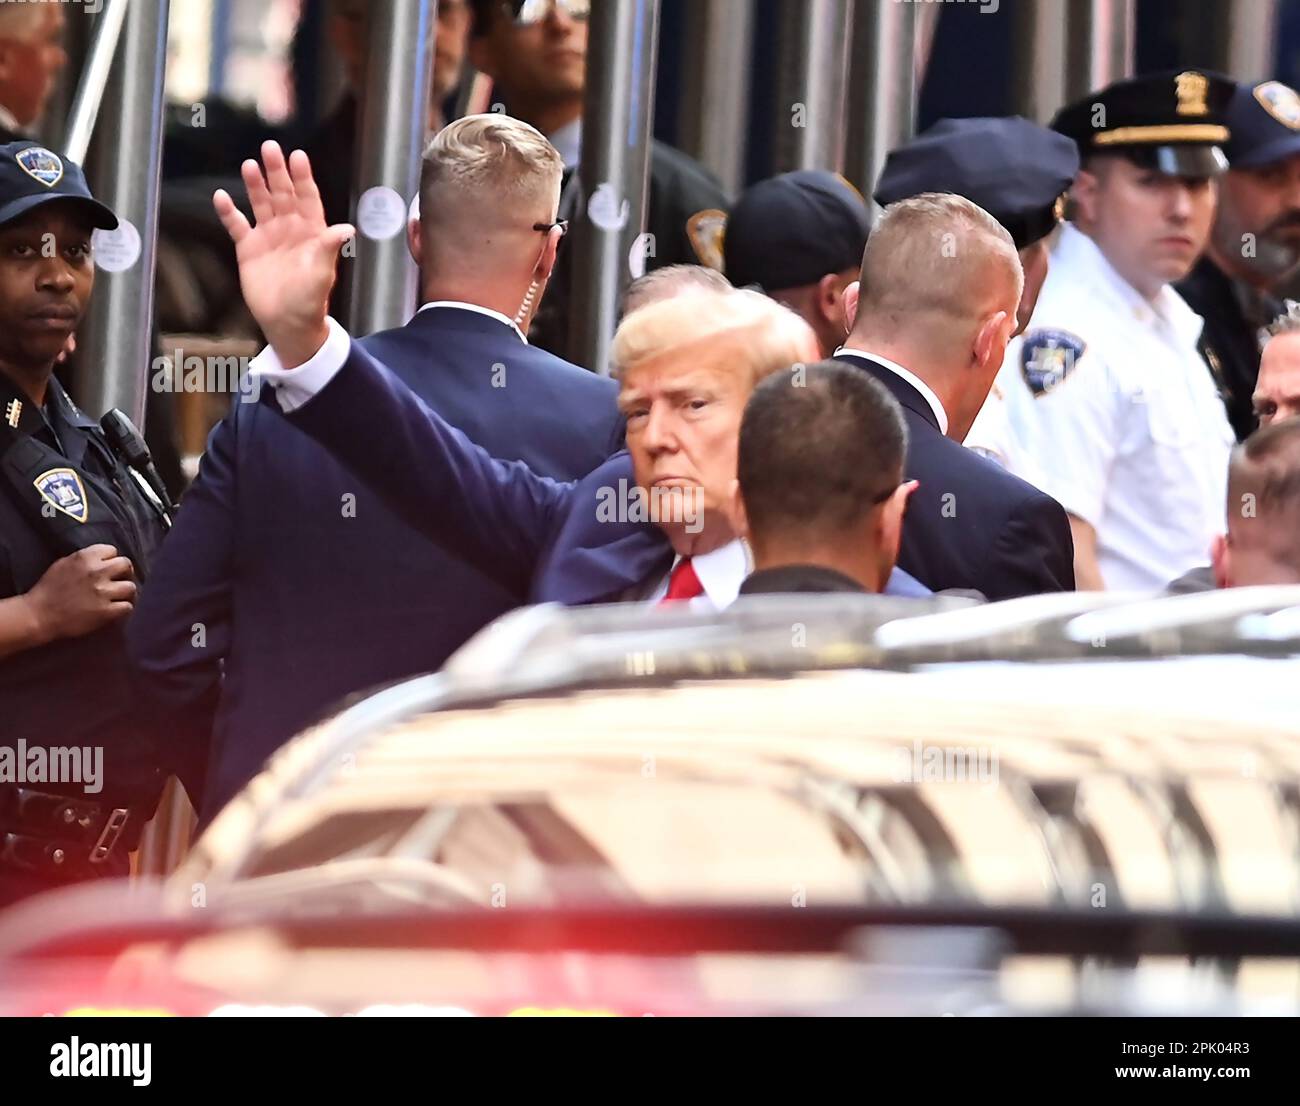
(1172, 122)
(793, 229)
(1015, 170)
(1265, 123)
(31, 175)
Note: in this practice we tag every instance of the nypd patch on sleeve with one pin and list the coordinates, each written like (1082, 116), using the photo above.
(1047, 357)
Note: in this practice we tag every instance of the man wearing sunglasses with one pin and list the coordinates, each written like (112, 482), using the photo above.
(267, 496)
(535, 51)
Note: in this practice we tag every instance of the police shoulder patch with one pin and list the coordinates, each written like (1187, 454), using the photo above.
(1047, 357)
(1280, 102)
(62, 489)
(40, 164)
(705, 229)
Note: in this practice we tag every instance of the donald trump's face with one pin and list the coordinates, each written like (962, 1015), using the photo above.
(683, 410)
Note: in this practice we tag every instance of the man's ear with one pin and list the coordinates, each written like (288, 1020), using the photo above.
(992, 337)
(851, 306)
(1221, 559)
(736, 512)
(414, 243)
(546, 262)
(827, 297)
(1085, 194)
(891, 519)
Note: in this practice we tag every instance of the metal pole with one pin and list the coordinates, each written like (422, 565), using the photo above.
(618, 111)
(882, 87)
(1100, 47)
(125, 161)
(1039, 83)
(90, 92)
(1245, 37)
(715, 87)
(394, 121)
(812, 78)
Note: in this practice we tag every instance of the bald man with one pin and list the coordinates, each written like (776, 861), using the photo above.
(930, 318)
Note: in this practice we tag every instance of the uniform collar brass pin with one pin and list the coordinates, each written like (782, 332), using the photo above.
(13, 412)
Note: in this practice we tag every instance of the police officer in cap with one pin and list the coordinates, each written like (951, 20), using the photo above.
(1019, 173)
(1111, 396)
(1237, 287)
(79, 771)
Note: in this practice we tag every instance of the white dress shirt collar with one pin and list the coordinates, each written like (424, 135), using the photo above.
(462, 306)
(568, 142)
(721, 572)
(1168, 307)
(927, 393)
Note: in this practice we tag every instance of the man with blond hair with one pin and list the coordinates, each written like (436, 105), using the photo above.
(930, 319)
(370, 601)
(652, 524)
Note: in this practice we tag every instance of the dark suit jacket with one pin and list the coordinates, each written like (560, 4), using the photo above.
(1230, 342)
(971, 524)
(541, 540)
(306, 585)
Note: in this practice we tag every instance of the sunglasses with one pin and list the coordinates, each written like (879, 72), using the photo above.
(546, 228)
(531, 12)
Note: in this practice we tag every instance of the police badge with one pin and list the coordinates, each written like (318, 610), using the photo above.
(1047, 357)
(62, 489)
(40, 164)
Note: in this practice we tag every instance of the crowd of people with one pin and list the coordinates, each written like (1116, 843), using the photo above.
(1037, 368)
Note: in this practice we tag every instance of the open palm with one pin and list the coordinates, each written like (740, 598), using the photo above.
(287, 257)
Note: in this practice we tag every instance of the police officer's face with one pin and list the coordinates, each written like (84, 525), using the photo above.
(1277, 391)
(545, 61)
(1151, 226)
(29, 63)
(1034, 260)
(46, 274)
(1258, 226)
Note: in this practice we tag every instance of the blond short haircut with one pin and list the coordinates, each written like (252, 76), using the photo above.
(493, 157)
(769, 336)
(938, 254)
(671, 280)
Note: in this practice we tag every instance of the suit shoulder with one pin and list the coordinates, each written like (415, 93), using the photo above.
(573, 377)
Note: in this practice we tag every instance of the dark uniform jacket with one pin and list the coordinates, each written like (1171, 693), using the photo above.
(971, 524)
(1230, 342)
(311, 588)
(77, 692)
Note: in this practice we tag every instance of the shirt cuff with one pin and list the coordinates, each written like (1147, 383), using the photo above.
(294, 387)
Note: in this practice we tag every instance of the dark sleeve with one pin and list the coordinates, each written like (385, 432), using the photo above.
(1034, 552)
(179, 632)
(495, 515)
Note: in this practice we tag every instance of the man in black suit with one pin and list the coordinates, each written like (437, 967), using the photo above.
(305, 586)
(820, 494)
(931, 318)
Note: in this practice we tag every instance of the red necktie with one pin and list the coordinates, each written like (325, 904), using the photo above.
(683, 583)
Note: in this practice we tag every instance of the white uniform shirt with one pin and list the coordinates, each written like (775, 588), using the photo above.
(1118, 417)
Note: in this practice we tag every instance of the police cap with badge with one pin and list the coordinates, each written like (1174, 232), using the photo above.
(1264, 121)
(1015, 170)
(1172, 122)
(72, 504)
(793, 229)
